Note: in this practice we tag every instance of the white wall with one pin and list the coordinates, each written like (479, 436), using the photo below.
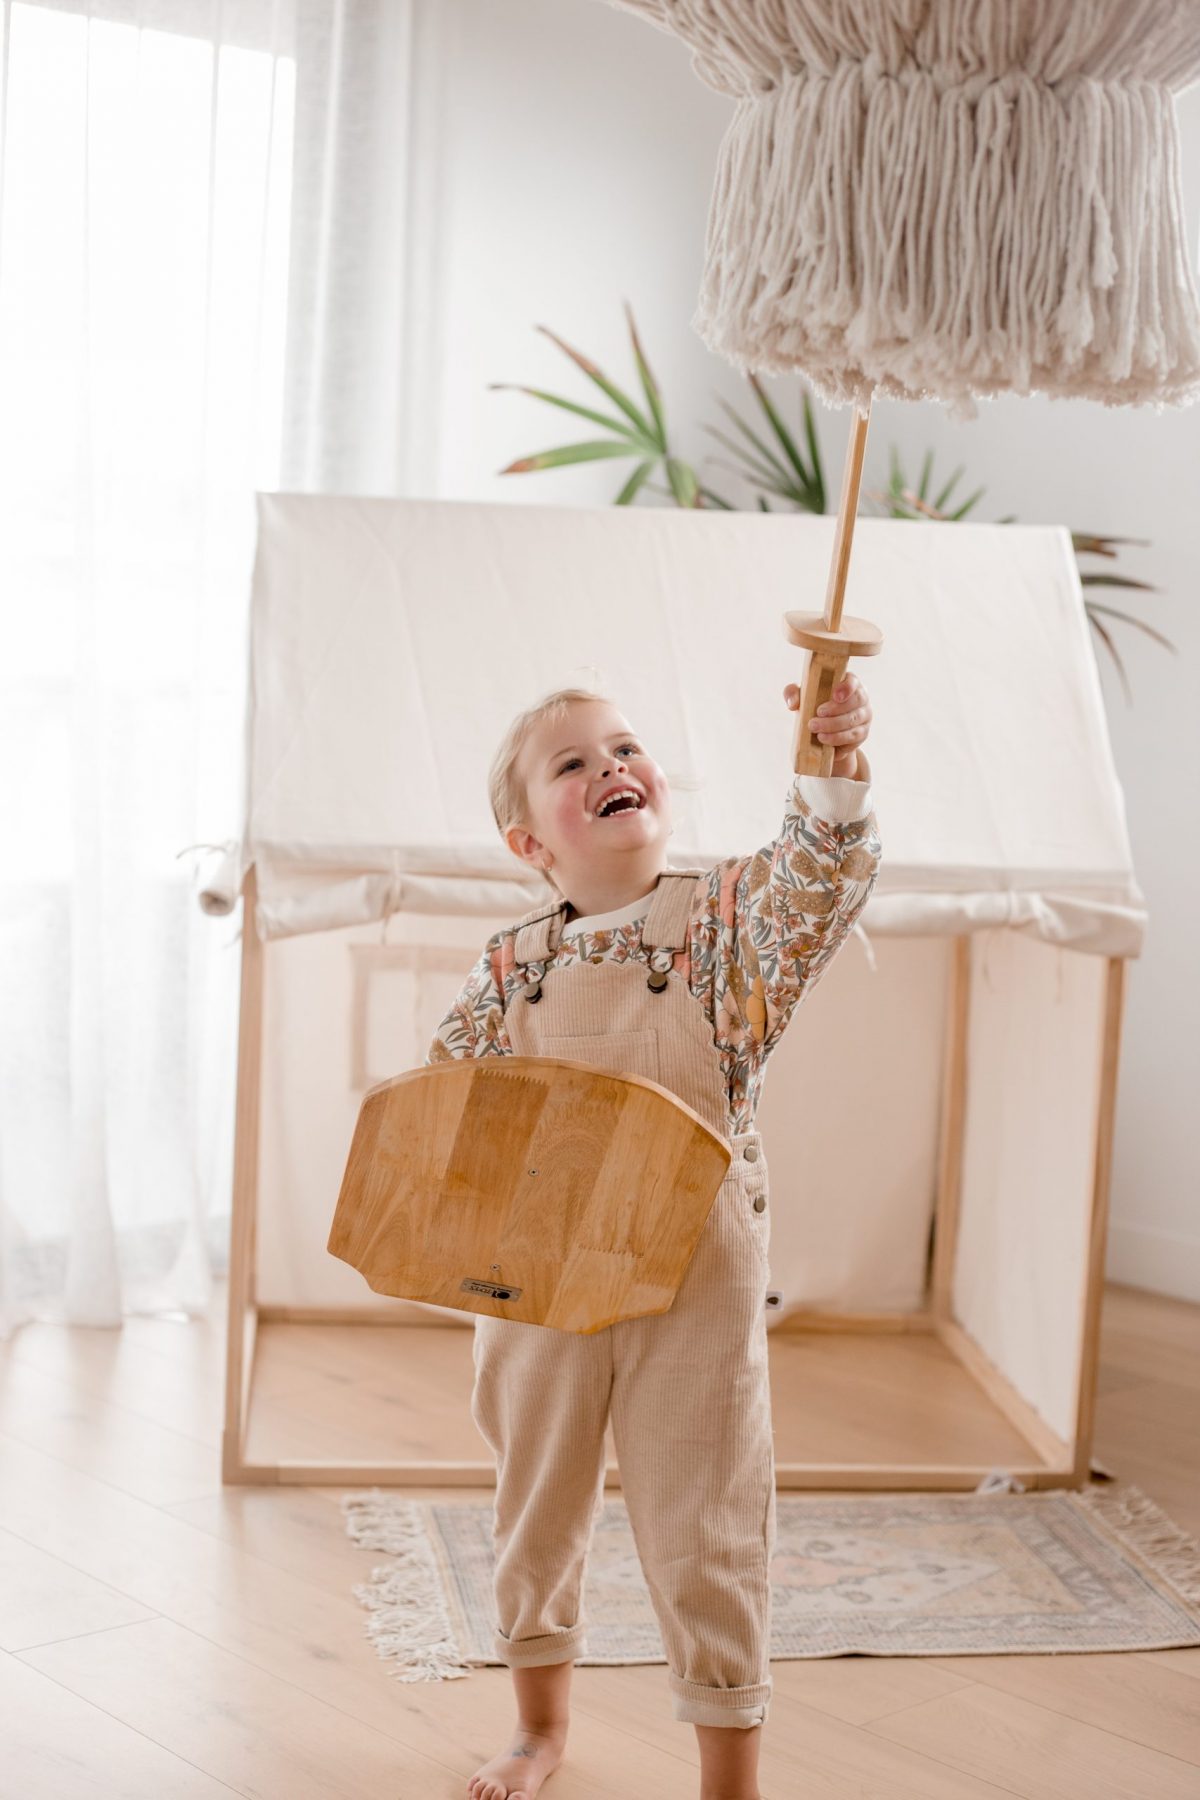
(577, 154)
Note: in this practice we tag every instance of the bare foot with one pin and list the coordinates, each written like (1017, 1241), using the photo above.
(519, 1772)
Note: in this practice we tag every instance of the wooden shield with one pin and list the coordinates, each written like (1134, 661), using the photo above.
(528, 1188)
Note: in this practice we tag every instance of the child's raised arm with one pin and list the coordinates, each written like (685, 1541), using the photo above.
(771, 922)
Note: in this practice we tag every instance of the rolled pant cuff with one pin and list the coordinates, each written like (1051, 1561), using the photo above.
(695, 1704)
(537, 1652)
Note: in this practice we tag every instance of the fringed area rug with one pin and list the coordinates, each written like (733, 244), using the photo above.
(867, 1575)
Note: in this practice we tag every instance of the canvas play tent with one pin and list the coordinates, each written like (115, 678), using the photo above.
(939, 1167)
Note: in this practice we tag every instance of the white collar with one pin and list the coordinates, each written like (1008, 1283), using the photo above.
(619, 915)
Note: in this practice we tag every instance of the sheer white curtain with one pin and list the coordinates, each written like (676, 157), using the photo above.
(207, 214)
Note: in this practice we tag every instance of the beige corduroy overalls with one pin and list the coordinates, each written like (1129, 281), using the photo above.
(687, 1389)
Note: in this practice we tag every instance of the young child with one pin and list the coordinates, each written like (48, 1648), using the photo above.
(689, 977)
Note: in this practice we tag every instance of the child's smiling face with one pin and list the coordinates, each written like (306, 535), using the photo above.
(574, 771)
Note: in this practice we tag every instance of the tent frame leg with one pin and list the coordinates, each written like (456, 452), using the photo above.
(1093, 1299)
(242, 1321)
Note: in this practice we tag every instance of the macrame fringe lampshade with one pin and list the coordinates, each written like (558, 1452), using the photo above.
(938, 199)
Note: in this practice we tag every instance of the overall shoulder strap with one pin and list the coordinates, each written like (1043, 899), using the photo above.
(667, 921)
(531, 942)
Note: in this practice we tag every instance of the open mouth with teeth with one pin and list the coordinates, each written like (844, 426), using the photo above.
(623, 800)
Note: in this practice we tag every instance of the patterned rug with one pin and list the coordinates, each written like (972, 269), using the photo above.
(866, 1575)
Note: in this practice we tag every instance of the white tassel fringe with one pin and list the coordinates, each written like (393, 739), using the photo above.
(1145, 1530)
(408, 1622)
(945, 199)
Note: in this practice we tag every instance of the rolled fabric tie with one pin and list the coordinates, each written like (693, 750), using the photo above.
(219, 883)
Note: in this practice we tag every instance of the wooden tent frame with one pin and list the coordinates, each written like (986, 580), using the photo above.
(1052, 1461)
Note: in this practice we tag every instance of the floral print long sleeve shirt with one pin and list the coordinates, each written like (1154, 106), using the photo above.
(764, 927)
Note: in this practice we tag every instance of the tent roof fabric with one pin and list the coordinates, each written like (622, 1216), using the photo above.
(392, 641)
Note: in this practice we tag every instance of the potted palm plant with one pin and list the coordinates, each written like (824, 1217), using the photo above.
(783, 469)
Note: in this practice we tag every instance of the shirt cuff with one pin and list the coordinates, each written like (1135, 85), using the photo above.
(840, 799)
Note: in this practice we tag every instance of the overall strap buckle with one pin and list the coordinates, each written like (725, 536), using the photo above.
(534, 942)
(666, 927)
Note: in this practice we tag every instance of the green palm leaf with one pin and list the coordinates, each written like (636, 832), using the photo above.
(903, 501)
(569, 453)
(649, 385)
(1122, 581)
(635, 481)
(573, 406)
(941, 499)
(814, 451)
(1095, 606)
(684, 485)
(1106, 639)
(616, 394)
(962, 511)
(1094, 543)
(764, 450)
(784, 435)
(762, 473)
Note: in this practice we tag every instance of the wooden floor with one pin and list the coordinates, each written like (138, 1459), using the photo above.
(862, 1397)
(162, 1637)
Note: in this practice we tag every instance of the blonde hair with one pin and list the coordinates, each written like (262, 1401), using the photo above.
(506, 790)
